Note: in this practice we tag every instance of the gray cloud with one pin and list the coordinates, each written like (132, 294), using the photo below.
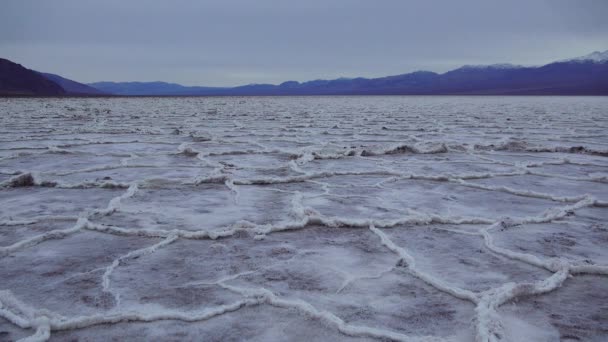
(234, 42)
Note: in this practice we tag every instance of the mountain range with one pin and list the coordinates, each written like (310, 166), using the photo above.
(585, 75)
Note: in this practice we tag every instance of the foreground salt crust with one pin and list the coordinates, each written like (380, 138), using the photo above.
(391, 218)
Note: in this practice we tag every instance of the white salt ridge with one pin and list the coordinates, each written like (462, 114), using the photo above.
(523, 146)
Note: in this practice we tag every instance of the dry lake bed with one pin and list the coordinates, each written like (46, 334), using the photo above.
(304, 219)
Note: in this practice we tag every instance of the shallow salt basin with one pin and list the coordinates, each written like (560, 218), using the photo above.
(304, 218)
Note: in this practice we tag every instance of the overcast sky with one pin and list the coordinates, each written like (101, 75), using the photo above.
(232, 42)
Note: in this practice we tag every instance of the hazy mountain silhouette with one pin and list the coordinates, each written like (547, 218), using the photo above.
(586, 75)
(149, 88)
(17, 80)
(72, 87)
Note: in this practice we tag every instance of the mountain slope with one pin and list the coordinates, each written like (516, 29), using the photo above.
(596, 56)
(72, 87)
(560, 78)
(17, 80)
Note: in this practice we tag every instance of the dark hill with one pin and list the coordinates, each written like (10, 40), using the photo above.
(17, 80)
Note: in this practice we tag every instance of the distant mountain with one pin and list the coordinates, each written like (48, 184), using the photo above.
(149, 88)
(560, 78)
(73, 87)
(597, 56)
(17, 80)
(586, 75)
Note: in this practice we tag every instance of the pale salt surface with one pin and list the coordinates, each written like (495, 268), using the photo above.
(304, 219)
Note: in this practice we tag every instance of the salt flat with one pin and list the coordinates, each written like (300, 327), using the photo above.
(304, 219)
